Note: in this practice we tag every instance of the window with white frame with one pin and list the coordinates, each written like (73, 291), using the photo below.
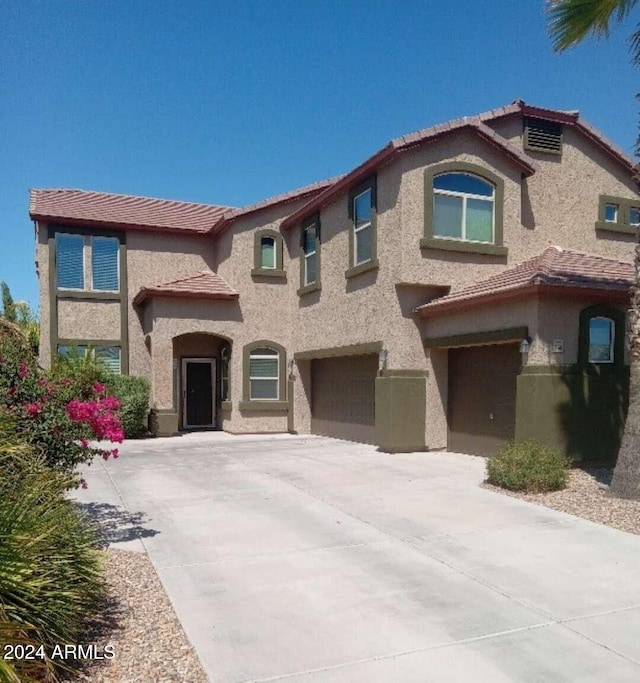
(264, 369)
(362, 228)
(310, 255)
(634, 215)
(267, 253)
(601, 340)
(463, 208)
(611, 213)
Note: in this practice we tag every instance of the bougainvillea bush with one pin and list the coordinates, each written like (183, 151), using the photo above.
(56, 415)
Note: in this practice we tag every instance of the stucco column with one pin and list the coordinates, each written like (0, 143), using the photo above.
(162, 390)
(301, 404)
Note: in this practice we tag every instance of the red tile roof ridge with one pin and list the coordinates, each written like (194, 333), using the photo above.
(205, 284)
(554, 266)
(120, 195)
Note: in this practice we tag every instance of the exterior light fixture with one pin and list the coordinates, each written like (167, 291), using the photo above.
(525, 344)
(292, 363)
(382, 360)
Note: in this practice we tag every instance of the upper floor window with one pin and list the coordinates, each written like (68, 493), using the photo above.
(362, 228)
(601, 340)
(618, 214)
(363, 241)
(310, 255)
(267, 252)
(463, 207)
(105, 264)
(70, 262)
(264, 374)
(267, 259)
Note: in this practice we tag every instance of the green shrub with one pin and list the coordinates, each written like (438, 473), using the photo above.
(133, 394)
(528, 466)
(51, 580)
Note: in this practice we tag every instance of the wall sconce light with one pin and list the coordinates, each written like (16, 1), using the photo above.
(525, 344)
(382, 360)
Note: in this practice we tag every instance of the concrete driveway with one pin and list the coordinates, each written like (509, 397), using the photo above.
(311, 559)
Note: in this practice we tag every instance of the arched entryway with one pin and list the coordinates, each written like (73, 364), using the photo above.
(201, 371)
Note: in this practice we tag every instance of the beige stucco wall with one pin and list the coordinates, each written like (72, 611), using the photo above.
(85, 319)
(154, 259)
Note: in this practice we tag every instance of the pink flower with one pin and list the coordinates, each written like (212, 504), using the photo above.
(115, 453)
(23, 371)
(42, 381)
(51, 389)
(83, 483)
(105, 455)
(32, 409)
(99, 388)
(84, 443)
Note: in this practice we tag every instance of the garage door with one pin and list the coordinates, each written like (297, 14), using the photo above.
(343, 397)
(482, 397)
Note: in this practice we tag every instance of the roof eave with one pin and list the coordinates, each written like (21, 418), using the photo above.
(359, 173)
(114, 225)
(612, 292)
(153, 293)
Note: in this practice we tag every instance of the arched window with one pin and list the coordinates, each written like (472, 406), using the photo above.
(267, 259)
(463, 207)
(267, 253)
(601, 336)
(264, 374)
(601, 340)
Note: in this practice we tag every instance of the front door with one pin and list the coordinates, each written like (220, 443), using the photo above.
(198, 394)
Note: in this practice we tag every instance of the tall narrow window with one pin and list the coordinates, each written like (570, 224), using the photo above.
(104, 264)
(267, 253)
(264, 370)
(70, 261)
(362, 228)
(463, 207)
(601, 339)
(310, 254)
(224, 373)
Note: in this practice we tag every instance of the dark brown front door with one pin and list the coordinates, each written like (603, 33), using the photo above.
(198, 377)
(482, 397)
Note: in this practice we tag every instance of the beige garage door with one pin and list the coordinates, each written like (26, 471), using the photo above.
(342, 397)
(482, 397)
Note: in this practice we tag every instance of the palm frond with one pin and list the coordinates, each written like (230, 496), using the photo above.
(572, 20)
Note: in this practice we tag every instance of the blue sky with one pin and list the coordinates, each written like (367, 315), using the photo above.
(233, 101)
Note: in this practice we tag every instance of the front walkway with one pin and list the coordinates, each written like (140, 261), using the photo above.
(311, 559)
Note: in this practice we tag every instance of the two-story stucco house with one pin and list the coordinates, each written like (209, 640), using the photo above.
(465, 285)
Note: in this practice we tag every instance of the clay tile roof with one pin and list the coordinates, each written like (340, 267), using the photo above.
(124, 211)
(203, 285)
(555, 267)
(285, 198)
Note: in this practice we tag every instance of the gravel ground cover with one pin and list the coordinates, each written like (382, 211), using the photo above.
(150, 645)
(585, 497)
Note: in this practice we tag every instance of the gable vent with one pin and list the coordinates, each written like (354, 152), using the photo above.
(542, 136)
